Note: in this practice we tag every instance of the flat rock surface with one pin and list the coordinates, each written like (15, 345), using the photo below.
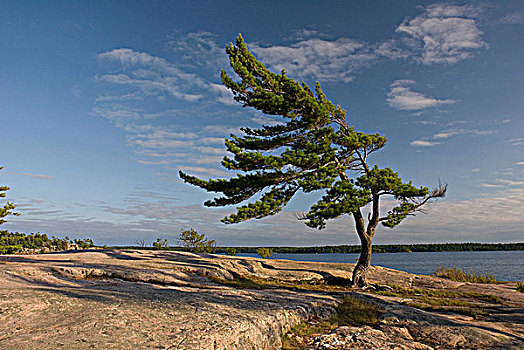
(175, 300)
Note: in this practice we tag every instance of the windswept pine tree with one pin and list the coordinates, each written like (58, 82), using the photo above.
(6, 209)
(313, 149)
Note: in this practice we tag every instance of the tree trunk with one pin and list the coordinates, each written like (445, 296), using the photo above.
(364, 261)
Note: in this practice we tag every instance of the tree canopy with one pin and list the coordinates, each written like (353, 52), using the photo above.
(9, 207)
(312, 148)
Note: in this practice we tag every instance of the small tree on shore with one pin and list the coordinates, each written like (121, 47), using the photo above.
(314, 148)
(265, 252)
(160, 243)
(9, 207)
(197, 242)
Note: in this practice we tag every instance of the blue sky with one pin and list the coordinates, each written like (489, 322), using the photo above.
(102, 103)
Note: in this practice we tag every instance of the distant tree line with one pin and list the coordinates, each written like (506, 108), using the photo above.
(15, 242)
(350, 249)
(390, 248)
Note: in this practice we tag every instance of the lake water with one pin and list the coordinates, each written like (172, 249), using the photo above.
(503, 265)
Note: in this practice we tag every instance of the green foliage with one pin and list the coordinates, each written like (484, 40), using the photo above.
(455, 274)
(84, 243)
(197, 242)
(14, 242)
(231, 251)
(10, 249)
(265, 252)
(520, 287)
(9, 207)
(160, 243)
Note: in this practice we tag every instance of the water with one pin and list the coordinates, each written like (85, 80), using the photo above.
(503, 265)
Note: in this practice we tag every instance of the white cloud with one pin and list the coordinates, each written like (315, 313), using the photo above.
(212, 140)
(511, 182)
(154, 162)
(154, 76)
(118, 114)
(159, 138)
(152, 85)
(513, 18)
(453, 132)
(34, 176)
(446, 33)
(517, 141)
(211, 150)
(400, 96)
(318, 58)
(488, 185)
(422, 143)
(443, 33)
(306, 33)
(125, 97)
(201, 49)
(519, 163)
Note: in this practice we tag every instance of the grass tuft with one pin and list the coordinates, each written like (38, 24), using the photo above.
(356, 312)
(455, 274)
(240, 282)
(520, 287)
(350, 312)
(467, 311)
(398, 291)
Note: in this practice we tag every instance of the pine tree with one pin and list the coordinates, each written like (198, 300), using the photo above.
(313, 149)
(8, 208)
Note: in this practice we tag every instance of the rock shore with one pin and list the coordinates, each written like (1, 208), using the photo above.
(176, 300)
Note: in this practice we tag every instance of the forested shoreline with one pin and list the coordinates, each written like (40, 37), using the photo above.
(15, 242)
(349, 249)
(389, 248)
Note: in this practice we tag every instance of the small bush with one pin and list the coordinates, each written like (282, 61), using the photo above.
(160, 243)
(454, 274)
(520, 287)
(10, 249)
(231, 251)
(197, 242)
(265, 252)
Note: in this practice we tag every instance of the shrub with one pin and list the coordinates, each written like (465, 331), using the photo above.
(231, 251)
(197, 242)
(265, 252)
(520, 287)
(160, 243)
